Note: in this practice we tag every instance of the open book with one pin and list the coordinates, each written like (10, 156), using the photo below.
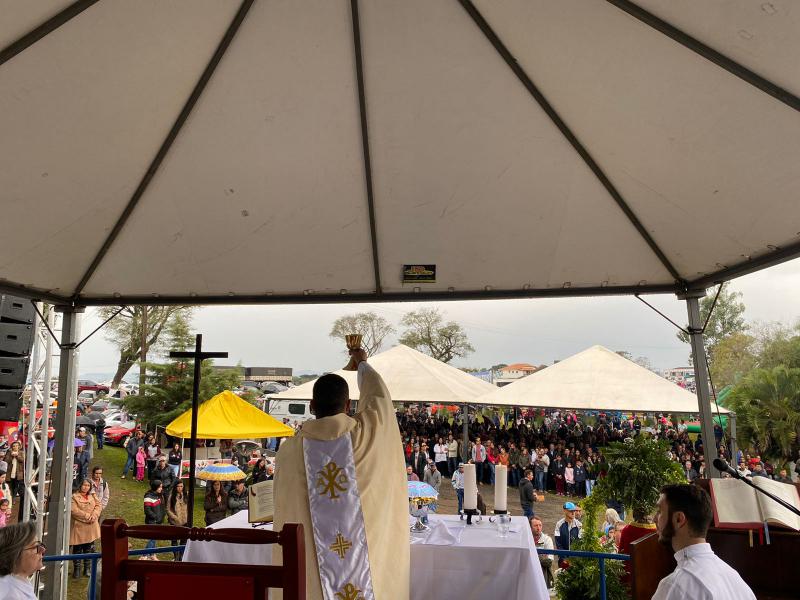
(738, 506)
(261, 507)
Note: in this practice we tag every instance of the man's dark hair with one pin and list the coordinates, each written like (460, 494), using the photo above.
(330, 395)
(528, 472)
(155, 484)
(694, 502)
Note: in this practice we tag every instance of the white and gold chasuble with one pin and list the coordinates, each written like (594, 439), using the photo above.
(343, 478)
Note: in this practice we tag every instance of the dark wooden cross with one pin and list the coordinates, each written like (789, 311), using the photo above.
(198, 355)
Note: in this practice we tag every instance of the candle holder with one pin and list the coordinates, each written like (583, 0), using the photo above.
(472, 512)
(353, 341)
(496, 512)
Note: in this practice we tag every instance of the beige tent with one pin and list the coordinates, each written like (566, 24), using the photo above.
(411, 376)
(596, 378)
(224, 151)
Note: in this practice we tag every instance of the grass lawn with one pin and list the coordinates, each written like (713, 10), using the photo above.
(126, 502)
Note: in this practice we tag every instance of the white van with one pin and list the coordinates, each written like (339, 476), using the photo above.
(294, 410)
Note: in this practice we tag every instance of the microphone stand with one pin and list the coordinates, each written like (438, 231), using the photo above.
(783, 503)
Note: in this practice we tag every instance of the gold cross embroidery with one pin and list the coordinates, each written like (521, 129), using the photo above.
(330, 480)
(349, 592)
(341, 545)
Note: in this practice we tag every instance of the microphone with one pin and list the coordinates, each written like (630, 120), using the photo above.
(722, 465)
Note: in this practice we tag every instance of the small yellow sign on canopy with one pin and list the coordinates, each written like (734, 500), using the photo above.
(227, 416)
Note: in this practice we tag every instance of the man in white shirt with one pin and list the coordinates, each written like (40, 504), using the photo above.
(543, 542)
(682, 520)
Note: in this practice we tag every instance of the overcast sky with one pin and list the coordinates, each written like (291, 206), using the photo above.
(535, 331)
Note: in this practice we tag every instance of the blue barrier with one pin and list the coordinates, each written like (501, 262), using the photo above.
(600, 556)
(95, 556)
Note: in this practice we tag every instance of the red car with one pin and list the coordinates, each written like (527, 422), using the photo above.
(119, 434)
(92, 386)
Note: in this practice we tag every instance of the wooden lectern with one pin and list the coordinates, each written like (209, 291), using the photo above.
(767, 568)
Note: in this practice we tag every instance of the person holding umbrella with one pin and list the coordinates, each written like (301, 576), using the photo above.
(80, 468)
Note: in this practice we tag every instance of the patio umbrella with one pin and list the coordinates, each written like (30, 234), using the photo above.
(78, 443)
(221, 472)
(83, 421)
(421, 492)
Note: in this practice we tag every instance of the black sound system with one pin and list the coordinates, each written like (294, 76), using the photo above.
(17, 316)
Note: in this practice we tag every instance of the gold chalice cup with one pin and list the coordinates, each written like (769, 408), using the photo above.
(353, 341)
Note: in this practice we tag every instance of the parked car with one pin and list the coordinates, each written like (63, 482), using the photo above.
(118, 435)
(88, 384)
(294, 410)
(87, 397)
(272, 387)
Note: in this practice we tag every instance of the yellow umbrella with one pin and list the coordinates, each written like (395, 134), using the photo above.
(221, 472)
(227, 416)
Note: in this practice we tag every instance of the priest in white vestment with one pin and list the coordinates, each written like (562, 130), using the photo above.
(683, 517)
(382, 558)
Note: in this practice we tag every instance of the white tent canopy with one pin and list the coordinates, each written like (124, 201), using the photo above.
(596, 379)
(411, 376)
(200, 151)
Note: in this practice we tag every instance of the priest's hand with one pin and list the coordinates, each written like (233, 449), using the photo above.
(359, 355)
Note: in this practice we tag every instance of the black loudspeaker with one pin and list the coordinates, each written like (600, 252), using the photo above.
(16, 341)
(14, 309)
(10, 404)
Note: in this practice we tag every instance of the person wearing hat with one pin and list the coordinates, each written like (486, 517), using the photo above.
(457, 482)
(164, 474)
(568, 529)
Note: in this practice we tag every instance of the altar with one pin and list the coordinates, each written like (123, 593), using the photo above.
(452, 561)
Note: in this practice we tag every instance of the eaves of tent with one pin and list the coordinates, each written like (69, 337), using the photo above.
(305, 151)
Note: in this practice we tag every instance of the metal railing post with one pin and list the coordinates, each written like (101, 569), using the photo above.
(602, 579)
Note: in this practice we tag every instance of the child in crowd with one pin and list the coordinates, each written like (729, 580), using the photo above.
(5, 512)
(569, 479)
(141, 460)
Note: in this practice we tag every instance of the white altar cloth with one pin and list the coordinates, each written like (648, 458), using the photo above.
(478, 566)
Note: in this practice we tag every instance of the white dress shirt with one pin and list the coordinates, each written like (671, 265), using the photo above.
(702, 575)
(16, 588)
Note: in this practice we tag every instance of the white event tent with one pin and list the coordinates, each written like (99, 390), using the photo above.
(593, 379)
(411, 376)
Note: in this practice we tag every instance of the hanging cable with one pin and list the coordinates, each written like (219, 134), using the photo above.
(72, 346)
(121, 308)
(638, 297)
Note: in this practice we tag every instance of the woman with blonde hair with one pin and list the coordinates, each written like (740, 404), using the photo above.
(612, 518)
(84, 526)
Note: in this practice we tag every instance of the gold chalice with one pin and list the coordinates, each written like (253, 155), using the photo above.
(353, 341)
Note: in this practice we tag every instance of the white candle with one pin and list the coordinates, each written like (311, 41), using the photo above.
(470, 488)
(500, 487)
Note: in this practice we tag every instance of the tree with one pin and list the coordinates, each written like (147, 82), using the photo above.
(373, 330)
(637, 469)
(726, 319)
(168, 393)
(167, 329)
(734, 357)
(642, 361)
(777, 344)
(767, 407)
(426, 331)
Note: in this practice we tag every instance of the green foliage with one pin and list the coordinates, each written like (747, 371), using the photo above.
(637, 470)
(168, 393)
(767, 407)
(582, 579)
(168, 328)
(426, 331)
(734, 357)
(727, 318)
(373, 330)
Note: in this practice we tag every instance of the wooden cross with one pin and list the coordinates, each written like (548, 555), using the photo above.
(198, 356)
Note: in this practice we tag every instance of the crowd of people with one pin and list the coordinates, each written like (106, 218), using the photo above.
(564, 452)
